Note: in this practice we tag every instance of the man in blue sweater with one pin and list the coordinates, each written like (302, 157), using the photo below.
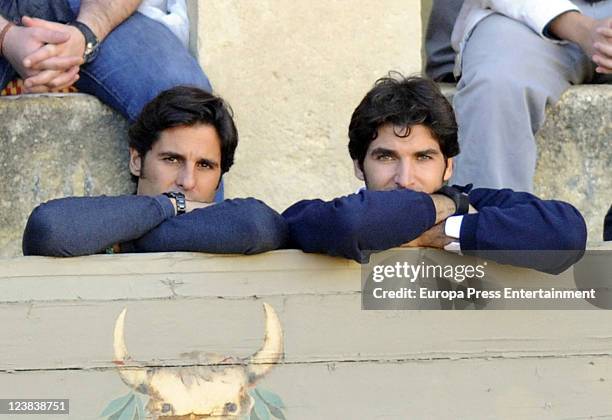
(403, 137)
(180, 146)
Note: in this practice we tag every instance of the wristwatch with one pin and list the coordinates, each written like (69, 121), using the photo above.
(179, 198)
(462, 201)
(91, 41)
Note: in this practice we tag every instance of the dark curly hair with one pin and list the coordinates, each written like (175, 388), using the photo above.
(185, 106)
(403, 102)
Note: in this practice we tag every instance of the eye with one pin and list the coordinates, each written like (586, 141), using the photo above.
(166, 408)
(204, 165)
(230, 407)
(170, 159)
(424, 157)
(383, 156)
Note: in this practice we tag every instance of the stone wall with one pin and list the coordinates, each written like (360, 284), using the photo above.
(294, 72)
(54, 146)
(574, 154)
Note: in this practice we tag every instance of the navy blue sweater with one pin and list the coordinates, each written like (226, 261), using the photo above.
(352, 225)
(88, 225)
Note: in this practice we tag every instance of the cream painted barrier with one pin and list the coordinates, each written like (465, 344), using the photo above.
(58, 317)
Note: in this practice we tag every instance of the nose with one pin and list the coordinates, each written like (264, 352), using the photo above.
(404, 174)
(185, 179)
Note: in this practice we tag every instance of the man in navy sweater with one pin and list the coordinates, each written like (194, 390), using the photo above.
(402, 139)
(180, 146)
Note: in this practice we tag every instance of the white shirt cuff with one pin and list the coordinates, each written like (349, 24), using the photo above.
(452, 229)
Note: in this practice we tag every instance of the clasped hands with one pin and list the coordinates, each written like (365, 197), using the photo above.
(47, 55)
(434, 237)
(599, 46)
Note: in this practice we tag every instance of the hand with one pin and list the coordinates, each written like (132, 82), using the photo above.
(432, 238)
(55, 56)
(58, 63)
(603, 46)
(593, 36)
(435, 237)
(20, 42)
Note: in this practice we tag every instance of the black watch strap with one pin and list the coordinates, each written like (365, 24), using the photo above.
(179, 198)
(462, 201)
(91, 41)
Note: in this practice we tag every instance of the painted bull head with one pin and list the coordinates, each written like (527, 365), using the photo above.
(219, 388)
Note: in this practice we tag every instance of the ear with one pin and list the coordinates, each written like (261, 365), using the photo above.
(358, 171)
(135, 162)
(448, 172)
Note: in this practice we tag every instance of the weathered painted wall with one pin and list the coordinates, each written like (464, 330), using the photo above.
(340, 361)
(294, 72)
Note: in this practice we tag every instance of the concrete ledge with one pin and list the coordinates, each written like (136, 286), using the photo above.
(58, 316)
(56, 146)
(574, 153)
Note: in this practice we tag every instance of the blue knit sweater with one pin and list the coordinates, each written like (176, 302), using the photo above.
(88, 225)
(353, 225)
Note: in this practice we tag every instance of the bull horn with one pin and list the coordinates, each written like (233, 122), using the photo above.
(271, 351)
(132, 377)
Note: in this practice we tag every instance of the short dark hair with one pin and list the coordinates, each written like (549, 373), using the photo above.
(185, 106)
(403, 102)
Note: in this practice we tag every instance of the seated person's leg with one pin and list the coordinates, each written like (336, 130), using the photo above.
(136, 61)
(440, 53)
(6, 73)
(509, 74)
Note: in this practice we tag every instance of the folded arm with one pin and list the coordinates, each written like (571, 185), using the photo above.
(88, 225)
(520, 222)
(368, 221)
(238, 226)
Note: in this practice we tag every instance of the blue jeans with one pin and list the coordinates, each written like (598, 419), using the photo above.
(139, 59)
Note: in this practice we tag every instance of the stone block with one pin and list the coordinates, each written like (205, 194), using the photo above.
(56, 146)
(574, 154)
